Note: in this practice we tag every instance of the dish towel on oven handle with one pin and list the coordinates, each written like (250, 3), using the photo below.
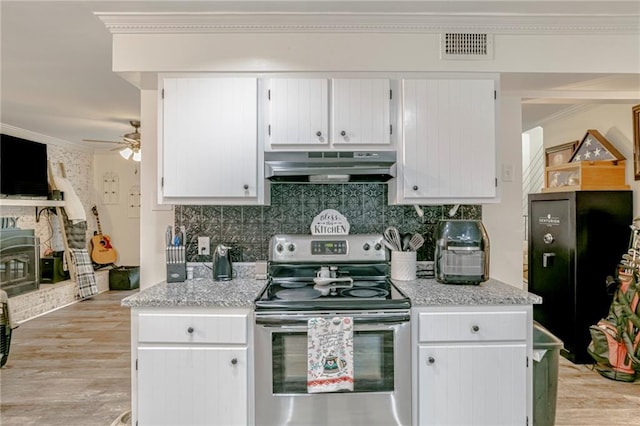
(330, 354)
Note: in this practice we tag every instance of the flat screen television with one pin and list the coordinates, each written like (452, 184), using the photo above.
(23, 168)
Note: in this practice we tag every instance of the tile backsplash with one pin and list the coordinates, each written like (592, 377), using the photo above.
(293, 207)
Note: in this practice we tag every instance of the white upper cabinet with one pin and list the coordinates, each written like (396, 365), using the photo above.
(360, 113)
(209, 142)
(301, 114)
(298, 111)
(448, 149)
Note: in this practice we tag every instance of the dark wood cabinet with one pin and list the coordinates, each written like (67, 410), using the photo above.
(575, 240)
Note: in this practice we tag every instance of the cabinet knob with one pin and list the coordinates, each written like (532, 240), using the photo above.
(246, 186)
(343, 133)
(431, 360)
(415, 187)
(234, 361)
(475, 328)
(190, 330)
(318, 133)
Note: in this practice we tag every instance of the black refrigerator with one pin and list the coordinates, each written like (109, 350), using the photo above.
(575, 240)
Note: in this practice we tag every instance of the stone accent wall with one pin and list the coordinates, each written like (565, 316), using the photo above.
(50, 297)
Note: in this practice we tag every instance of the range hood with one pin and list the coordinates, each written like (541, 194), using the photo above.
(330, 166)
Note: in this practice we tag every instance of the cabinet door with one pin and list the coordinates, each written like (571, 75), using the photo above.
(192, 386)
(210, 137)
(360, 112)
(298, 111)
(449, 147)
(472, 385)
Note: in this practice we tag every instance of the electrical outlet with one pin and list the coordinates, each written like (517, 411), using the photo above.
(204, 246)
(507, 172)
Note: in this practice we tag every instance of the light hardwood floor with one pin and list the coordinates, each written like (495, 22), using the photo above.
(71, 367)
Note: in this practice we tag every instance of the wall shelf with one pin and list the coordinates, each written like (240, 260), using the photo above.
(10, 202)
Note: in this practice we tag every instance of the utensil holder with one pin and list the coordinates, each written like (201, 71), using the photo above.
(403, 265)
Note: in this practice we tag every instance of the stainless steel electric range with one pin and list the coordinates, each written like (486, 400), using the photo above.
(328, 276)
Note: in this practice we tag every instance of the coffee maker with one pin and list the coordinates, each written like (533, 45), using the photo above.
(222, 269)
(462, 252)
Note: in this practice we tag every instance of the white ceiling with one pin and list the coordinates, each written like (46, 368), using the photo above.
(56, 77)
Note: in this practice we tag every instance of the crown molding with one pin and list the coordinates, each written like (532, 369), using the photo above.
(39, 137)
(350, 22)
(563, 114)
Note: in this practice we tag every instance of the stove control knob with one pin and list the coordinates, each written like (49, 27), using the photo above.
(366, 247)
(378, 246)
(279, 248)
(291, 247)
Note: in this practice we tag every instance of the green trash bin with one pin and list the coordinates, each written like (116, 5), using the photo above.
(546, 356)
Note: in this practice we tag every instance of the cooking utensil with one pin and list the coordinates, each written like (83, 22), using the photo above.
(327, 281)
(326, 285)
(405, 238)
(417, 240)
(388, 245)
(392, 235)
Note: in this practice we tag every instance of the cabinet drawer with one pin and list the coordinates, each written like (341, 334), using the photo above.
(472, 326)
(185, 328)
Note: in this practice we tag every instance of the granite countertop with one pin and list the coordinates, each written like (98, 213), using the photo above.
(202, 291)
(429, 292)
(199, 292)
(241, 292)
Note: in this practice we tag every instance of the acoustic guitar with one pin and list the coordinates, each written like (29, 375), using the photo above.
(102, 252)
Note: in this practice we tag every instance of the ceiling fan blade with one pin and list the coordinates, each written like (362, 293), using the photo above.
(100, 141)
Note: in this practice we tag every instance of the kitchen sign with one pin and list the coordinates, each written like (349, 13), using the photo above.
(330, 222)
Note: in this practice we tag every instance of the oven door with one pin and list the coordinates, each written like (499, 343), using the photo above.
(382, 382)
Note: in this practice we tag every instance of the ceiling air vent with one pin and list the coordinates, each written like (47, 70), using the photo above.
(466, 46)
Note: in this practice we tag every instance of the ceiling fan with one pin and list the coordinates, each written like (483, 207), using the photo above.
(130, 140)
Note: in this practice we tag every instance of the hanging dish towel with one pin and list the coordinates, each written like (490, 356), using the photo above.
(330, 354)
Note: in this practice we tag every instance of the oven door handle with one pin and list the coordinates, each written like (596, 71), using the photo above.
(301, 322)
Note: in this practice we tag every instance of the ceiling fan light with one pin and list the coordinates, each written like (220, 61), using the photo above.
(126, 153)
(137, 155)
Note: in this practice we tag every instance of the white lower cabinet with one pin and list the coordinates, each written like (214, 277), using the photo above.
(192, 386)
(191, 368)
(473, 366)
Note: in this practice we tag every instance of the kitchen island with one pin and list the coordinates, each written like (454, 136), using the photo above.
(470, 351)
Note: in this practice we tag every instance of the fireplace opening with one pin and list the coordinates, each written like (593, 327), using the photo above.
(19, 261)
